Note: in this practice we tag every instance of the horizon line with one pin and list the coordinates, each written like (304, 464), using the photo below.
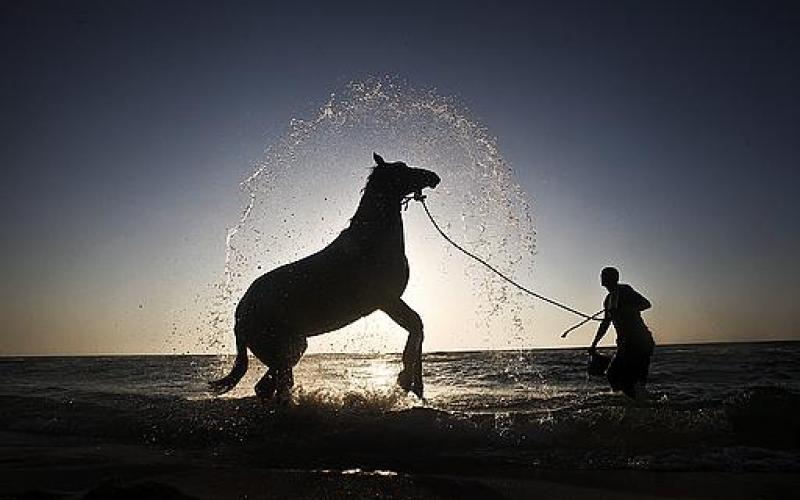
(341, 353)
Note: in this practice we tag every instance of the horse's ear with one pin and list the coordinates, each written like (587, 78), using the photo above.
(378, 160)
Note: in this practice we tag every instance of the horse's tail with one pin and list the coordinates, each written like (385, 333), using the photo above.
(230, 380)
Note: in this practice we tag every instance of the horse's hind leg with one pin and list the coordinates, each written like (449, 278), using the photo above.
(276, 383)
(410, 379)
(279, 380)
(266, 387)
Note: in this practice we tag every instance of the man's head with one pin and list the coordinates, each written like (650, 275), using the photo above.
(609, 277)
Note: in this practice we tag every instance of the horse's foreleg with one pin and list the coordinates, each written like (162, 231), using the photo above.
(410, 379)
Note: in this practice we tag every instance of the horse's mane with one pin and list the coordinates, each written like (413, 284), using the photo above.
(369, 178)
(376, 170)
(372, 179)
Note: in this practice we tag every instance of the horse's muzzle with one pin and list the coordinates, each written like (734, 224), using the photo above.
(433, 180)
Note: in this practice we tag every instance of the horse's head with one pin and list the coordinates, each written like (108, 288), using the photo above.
(399, 180)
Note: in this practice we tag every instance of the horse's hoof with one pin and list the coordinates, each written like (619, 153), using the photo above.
(404, 380)
(266, 388)
(265, 394)
(408, 384)
(283, 398)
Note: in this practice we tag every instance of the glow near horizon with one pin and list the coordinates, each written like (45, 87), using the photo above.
(555, 274)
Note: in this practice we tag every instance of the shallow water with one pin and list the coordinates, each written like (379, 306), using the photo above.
(723, 406)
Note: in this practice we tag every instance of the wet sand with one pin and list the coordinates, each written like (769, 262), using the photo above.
(40, 466)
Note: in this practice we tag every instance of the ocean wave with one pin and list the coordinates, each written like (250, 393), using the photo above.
(532, 408)
(606, 428)
(765, 416)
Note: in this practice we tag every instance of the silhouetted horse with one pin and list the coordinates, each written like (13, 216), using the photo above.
(364, 269)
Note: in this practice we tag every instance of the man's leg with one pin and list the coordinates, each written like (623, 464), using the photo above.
(643, 369)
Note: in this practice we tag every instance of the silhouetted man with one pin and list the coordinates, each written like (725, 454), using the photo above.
(623, 305)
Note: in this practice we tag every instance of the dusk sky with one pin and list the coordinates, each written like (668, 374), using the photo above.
(663, 138)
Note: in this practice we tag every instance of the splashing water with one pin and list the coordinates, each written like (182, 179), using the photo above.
(712, 407)
(303, 192)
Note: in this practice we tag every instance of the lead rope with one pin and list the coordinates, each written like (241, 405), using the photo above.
(586, 317)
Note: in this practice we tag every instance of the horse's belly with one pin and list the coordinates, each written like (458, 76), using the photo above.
(328, 323)
(315, 296)
(326, 310)
(305, 305)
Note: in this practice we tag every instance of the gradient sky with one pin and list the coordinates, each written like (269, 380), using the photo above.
(663, 138)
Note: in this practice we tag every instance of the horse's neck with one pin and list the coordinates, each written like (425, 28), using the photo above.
(378, 221)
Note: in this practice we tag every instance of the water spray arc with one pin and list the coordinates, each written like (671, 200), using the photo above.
(306, 184)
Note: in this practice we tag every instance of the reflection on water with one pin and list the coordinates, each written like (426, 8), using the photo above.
(482, 381)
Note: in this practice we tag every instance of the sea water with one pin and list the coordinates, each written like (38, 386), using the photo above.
(715, 406)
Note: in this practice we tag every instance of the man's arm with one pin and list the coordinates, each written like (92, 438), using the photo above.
(601, 332)
(642, 304)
